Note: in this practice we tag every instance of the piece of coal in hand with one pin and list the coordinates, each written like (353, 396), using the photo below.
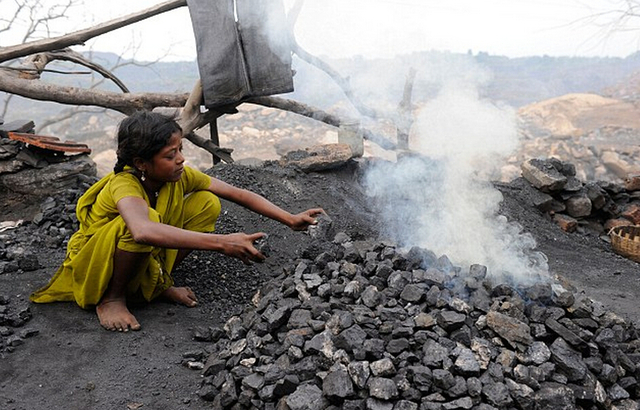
(262, 245)
(322, 228)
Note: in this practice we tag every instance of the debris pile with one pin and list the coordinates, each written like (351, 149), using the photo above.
(29, 169)
(14, 312)
(51, 226)
(364, 325)
(13, 316)
(576, 206)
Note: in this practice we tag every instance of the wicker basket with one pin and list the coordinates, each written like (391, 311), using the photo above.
(626, 241)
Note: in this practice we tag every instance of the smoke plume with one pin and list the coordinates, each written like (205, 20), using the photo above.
(439, 196)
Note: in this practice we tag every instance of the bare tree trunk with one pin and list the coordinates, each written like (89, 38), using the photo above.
(404, 111)
(318, 115)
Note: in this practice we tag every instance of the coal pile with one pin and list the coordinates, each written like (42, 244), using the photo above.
(21, 246)
(365, 325)
(51, 227)
(13, 316)
(14, 313)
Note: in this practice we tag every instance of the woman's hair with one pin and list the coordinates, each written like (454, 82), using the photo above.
(143, 134)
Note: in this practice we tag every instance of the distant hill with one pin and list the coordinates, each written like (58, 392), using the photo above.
(522, 81)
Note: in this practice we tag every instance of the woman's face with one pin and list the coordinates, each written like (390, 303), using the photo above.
(168, 164)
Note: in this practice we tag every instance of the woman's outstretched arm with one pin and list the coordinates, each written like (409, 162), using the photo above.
(135, 212)
(263, 206)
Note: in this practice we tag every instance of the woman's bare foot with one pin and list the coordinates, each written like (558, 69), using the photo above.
(114, 315)
(183, 295)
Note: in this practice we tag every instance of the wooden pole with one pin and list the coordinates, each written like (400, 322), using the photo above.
(215, 138)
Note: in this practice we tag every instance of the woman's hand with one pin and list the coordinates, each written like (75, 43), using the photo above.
(240, 245)
(301, 221)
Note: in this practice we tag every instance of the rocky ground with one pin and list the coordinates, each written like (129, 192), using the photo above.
(56, 356)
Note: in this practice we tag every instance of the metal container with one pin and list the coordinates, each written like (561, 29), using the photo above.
(350, 133)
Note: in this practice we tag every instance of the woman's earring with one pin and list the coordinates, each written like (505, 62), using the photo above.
(143, 177)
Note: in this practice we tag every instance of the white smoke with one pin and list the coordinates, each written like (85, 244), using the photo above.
(440, 197)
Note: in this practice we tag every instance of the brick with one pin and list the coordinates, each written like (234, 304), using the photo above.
(565, 222)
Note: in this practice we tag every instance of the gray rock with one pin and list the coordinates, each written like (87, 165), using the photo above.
(461, 403)
(359, 372)
(443, 379)
(497, 394)
(306, 397)
(449, 320)
(512, 330)
(382, 388)
(543, 175)
(57, 177)
(413, 292)
(466, 363)
(371, 297)
(337, 384)
(537, 353)
(350, 339)
(383, 367)
(568, 360)
(579, 206)
(552, 396)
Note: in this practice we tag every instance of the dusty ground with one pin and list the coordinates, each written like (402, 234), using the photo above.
(72, 363)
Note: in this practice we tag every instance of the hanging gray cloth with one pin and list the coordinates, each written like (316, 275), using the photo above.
(245, 57)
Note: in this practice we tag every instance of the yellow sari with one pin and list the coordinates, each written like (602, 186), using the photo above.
(86, 271)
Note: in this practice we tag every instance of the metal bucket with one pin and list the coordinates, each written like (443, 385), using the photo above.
(350, 133)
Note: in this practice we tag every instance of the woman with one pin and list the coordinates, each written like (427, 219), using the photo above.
(140, 221)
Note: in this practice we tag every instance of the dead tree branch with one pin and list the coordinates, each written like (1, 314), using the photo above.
(81, 36)
(5, 106)
(124, 103)
(36, 21)
(405, 120)
(65, 115)
(39, 61)
(298, 108)
(318, 115)
(223, 154)
(8, 22)
(342, 82)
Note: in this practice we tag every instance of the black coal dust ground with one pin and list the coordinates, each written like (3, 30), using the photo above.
(217, 278)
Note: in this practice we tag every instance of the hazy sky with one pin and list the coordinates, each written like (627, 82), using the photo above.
(343, 28)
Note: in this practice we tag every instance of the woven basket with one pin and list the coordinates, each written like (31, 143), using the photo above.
(626, 241)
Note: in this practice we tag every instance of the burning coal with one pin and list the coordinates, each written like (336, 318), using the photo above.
(440, 197)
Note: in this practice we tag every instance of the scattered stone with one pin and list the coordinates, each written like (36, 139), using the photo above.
(632, 182)
(565, 222)
(578, 207)
(543, 175)
(318, 157)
